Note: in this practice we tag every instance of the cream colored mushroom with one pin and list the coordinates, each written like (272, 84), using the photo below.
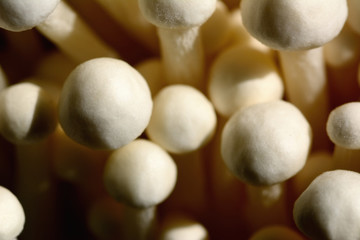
(180, 227)
(329, 207)
(183, 119)
(12, 216)
(178, 25)
(343, 125)
(293, 28)
(141, 175)
(20, 15)
(242, 76)
(27, 113)
(105, 103)
(58, 22)
(266, 143)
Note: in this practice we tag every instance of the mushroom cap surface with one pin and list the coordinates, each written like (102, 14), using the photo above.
(266, 143)
(27, 113)
(329, 208)
(140, 174)
(242, 76)
(21, 15)
(12, 216)
(105, 103)
(294, 25)
(343, 125)
(183, 119)
(177, 13)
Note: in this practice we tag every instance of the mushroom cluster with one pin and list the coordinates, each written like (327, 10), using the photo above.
(179, 119)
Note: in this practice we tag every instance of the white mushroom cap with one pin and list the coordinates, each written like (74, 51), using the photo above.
(180, 227)
(27, 113)
(140, 174)
(105, 103)
(21, 15)
(242, 76)
(329, 208)
(12, 216)
(266, 143)
(294, 25)
(343, 125)
(354, 15)
(183, 119)
(177, 13)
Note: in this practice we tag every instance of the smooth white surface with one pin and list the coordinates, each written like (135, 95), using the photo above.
(105, 103)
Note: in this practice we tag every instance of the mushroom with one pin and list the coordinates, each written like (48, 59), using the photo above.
(21, 15)
(183, 119)
(343, 130)
(180, 227)
(354, 19)
(141, 175)
(178, 25)
(278, 232)
(264, 145)
(58, 22)
(329, 207)
(12, 216)
(241, 76)
(294, 28)
(104, 104)
(27, 113)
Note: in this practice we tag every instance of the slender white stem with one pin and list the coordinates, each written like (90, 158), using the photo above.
(73, 36)
(183, 56)
(139, 224)
(306, 87)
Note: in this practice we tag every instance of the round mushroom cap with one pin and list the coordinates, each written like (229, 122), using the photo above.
(294, 25)
(177, 13)
(329, 208)
(266, 143)
(12, 216)
(183, 119)
(180, 227)
(21, 15)
(140, 174)
(27, 113)
(242, 76)
(343, 125)
(105, 103)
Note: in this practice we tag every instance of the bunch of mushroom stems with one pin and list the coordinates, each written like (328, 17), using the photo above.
(203, 119)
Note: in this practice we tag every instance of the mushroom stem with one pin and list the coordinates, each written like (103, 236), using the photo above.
(139, 223)
(73, 36)
(306, 87)
(128, 15)
(183, 56)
